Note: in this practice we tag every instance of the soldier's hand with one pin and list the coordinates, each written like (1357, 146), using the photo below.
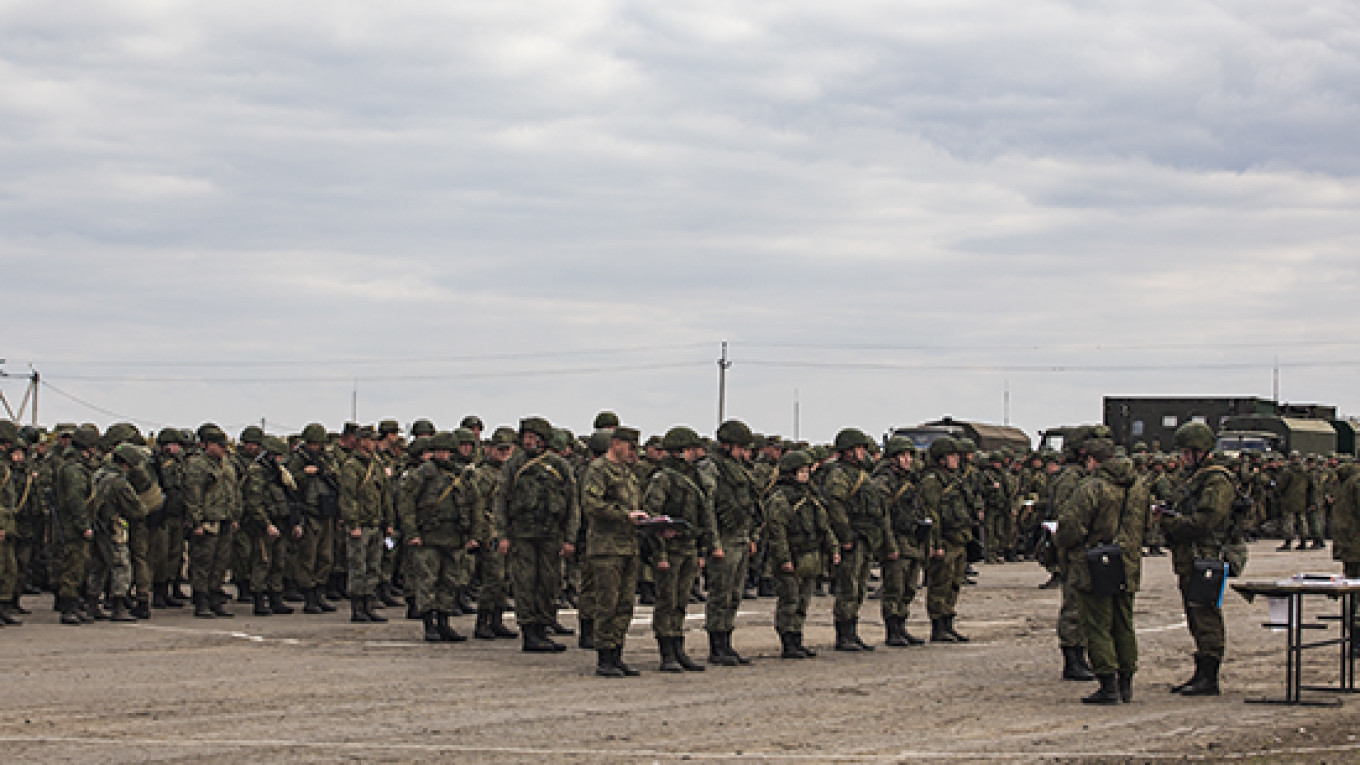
(788, 567)
(848, 546)
(567, 549)
(297, 532)
(835, 559)
(198, 532)
(355, 533)
(272, 530)
(504, 547)
(719, 554)
(414, 541)
(2, 534)
(235, 526)
(473, 544)
(894, 556)
(937, 553)
(311, 470)
(751, 548)
(663, 565)
(637, 516)
(89, 533)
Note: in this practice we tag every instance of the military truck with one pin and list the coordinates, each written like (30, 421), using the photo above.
(987, 437)
(1262, 432)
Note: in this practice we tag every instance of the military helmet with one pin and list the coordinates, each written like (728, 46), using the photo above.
(422, 427)
(169, 436)
(388, 427)
(734, 432)
(851, 438)
(604, 420)
(253, 434)
(560, 440)
(86, 436)
(599, 441)
(9, 432)
(538, 426)
(503, 436)
(793, 460)
(419, 445)
(275, 445)
(1195, 436)
(681, 437)
(443, 442)
(625, 433)
(653, 442)
(818, 453)
(943, 447)
(211, 434)
(464, 436)
(314, 433)
(965, 445)
(30, 435)
(897, 445)
(128, 454)
(472, 422)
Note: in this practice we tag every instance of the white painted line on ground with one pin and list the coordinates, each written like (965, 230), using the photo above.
(1149, 630)
(220, 633)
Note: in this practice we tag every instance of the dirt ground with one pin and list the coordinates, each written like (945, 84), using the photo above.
(316, 688)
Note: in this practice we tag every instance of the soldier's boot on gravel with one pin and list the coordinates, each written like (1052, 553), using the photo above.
(431, 628)
(1107, 693)
(586, 639)
(895, 631)
(604, 663)
(499, 628)
(446, 631)
(218, 603)
(277, 604)
(854, 633)
(140, 607)
(1125, 687)
(120, 612)
(536, 640)
(158, 595)
(371, 608)
(1195, 678)
(482, 630)
(789, 641)
(310, 605)
(357, 612)
(1053, 583)
(1207, 685)
(688, 664)
(68, 611)
(668, 660)
(717, 652)
(938, 633)
(958, 637)
(1074, 668)
(92, 608)
(261, 605)
(845, 638)
(201, 608)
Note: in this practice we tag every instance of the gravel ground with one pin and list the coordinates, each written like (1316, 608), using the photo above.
(316, 688)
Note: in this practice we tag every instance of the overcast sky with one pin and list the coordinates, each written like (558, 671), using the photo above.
(898, 210)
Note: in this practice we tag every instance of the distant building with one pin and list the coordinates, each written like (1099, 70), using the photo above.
(1153, 421)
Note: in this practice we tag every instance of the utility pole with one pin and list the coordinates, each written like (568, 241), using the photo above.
(1006, 405)
(723, 365)
(354, 403)
(1275, 381)
(29, 401)
(796, 416)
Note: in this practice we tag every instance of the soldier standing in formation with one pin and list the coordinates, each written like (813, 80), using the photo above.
(365, 510)
(911, 529)
(736, 511)
(611, 509)
(802, 543)
(213, 501)
(855, 510)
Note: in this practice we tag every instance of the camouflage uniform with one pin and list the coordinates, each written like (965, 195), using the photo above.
(609, 493)
(212, 498)
(110, 564)
(856, 513)
(319, 498)
(737, 513)
(911, 530)
(675, 491)
(800, 538)
(1070, 632)
(267, 503)
(441, 507)
(366, 513)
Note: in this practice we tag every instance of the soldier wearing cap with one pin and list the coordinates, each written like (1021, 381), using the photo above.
(610, 509)
(736, 510)
(537, 514)
(907, 517)
(492, 599)
(856, 512)
(268, 514)
(317, 476)
(366, 515)
(1295, 488)
(213, 507)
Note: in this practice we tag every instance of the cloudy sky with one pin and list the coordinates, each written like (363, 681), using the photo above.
(890, 210)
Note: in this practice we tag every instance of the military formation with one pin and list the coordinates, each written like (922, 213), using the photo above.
(533, 520)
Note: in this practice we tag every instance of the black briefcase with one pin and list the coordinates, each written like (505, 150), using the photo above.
(1106, 563)
(1207, 583)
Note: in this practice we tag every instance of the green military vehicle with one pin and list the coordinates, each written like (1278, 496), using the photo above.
(1263, 432)
(987, 437)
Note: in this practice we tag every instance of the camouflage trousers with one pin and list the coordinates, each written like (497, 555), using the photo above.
(944, 580)
(1070, 632)
(315, 552)
(535, 566)
(139, 552)
(901, 577)
(442, 570)
(1306, 525)
(209, 557)
(852, 581)
(71, 584)
(165, 551)
(492, 596)
(673, 586)
(10, 580)
(726, 576)
(794, 593)
(364, 555)
(241, 557)
(1112, 644)
(110, 566)
(267, 558)
(1206, 625)
(614, 579)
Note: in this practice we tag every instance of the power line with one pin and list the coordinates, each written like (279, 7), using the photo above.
(100, 409)
(1038, 368)
(489, 375)
(1056, 346)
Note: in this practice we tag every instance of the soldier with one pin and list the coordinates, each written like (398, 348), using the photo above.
(799, 537)
(1346, 527)
(736, 511)
(166, 551)
(952, 518)
(114, 501)
(366, 514)
(611, 510)
(268, 513)
(14, 479)
(1109, 507)
(249, 447)
(1071, 636)
(537, 514)
(441, 518)
(390, 454)
(1295, 490)
(675, 491)
(74, 527)
(911, 528)
(212, 497)
(491, 598)
(317, 476)
(1200, 528)
(856, 513)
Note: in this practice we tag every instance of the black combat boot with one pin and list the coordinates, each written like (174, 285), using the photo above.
(647, 593)
(949, 625)
(1194, 679)
(1208, 681)
(716, 651)
(667, 651)
(141, 607)
(895, 631)
(727, 646)
(1107, 693)
(1284, 547)
(158, 595)
(1125, 687)
(357, 612)
(1303, 545)
(243, 592)
(789, 641)
(291, 593)
(6, 618)
(432, 628)
(261, 605)
(15, 607)
(321, 601)
(558, 628)
(845, 638)
(619, 662)
(498, 626)
(1074, 668)
(173, 597)
(536, 640)
(446, 631)
(219, 606)
(586, 641)
(678, 645)
(335, 587)
(92, 608)
(310, 606)
(938, 633)
(370, 608)
(201, 608)
(604, 663)
(482, 630)
(278, 605)
(854, 633)
(910, 638)
(68, 611)
(385, 596)
(120, 612)
(411, 611)
(808, 652)
(1318, 544)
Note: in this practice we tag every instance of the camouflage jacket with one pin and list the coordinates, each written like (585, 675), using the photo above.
(1110, 506)
(442, 505)
(538, 499)
(211, 491)
(906, 512)
(676, 491)
(855, 509)
(945, 499)
(609, 492)
(365, 493)
(797, 526)
(736, 498)
(1202, 527)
